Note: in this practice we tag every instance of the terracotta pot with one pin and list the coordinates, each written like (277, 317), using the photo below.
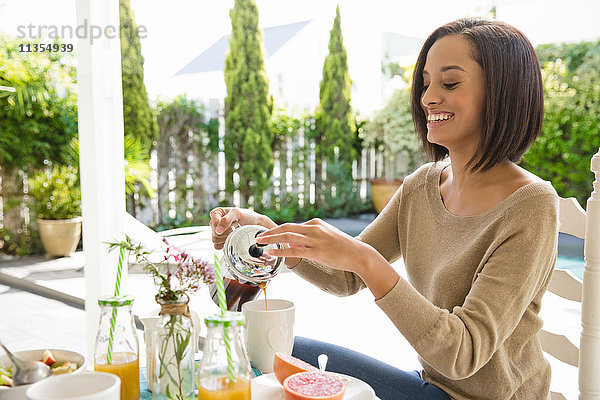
(382, 191)
(60, 236)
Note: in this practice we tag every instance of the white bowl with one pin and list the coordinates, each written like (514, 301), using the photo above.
(18, 392)
(83, 386)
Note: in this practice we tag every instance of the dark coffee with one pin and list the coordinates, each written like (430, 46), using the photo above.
(236, 293)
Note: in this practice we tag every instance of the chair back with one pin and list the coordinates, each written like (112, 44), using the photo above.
(575, 221)
(567, 286)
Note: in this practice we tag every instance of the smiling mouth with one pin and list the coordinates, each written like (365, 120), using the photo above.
(435, 120)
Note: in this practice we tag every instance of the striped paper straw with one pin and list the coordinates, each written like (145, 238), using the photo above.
(223, 305)
(113, 317)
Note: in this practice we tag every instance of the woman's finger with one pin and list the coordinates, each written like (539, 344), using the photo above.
(232, 215)
(293, 252)
(285, 237)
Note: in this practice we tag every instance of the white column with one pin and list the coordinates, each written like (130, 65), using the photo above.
(100, 104)
(589, 350)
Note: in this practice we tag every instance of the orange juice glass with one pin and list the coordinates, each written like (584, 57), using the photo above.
(126, 367)
(224, 372)
(222, 388)
(117, 348)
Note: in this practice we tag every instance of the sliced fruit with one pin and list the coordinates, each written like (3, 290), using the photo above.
(285, 365)
(5, 380)
(313, 386)
(65, 368)
(48, 358)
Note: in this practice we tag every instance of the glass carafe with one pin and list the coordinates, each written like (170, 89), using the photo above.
(117, 347)
(224, 372)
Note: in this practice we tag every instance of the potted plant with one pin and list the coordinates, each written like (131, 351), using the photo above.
(391, 132)
(56, 202)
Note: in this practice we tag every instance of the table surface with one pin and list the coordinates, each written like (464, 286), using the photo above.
(146, 394)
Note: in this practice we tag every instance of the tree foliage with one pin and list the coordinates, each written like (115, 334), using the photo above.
(248, 107)
(570, 132)
(335, 122)
(392, 131)
(571, 75)
(40, 118)
(138, 118)
(184, 131)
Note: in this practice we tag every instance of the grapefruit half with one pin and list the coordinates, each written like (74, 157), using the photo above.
(285, 365)
(313, 386)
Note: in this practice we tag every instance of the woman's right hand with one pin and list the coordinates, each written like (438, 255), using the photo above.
(222, 219)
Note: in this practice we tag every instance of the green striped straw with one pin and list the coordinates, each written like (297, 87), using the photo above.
(113, 317)
(223, 305)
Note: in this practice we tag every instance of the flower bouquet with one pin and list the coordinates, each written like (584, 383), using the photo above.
(176, 276)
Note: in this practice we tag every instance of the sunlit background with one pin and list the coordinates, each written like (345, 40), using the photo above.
(374, 32)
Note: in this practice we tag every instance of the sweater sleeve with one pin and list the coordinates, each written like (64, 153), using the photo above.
(382, 234)
(458, 343)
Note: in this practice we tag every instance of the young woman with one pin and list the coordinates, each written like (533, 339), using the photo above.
(477, 233)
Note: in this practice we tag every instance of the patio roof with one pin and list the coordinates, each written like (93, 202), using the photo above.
(213, 58)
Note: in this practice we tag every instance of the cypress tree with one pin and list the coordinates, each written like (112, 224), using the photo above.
(139, 120)
(335, 122)
(248, 107)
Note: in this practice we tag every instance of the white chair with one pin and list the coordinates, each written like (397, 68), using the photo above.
(575, 221)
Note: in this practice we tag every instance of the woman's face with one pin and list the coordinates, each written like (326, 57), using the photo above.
(453, 95)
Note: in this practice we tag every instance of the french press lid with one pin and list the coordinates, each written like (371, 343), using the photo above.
(248, 260)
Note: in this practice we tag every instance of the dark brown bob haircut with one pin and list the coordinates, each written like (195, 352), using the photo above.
(514, 103)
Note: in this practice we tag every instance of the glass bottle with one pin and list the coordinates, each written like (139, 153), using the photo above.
(174, 351)
(248, 266)
(224, 372)
(117, 347)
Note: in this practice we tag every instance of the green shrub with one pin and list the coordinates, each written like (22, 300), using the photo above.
(570, 132)
(55, 194)
(391, 131)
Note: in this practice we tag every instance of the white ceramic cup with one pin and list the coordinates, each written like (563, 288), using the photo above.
(268, 332)
(84, 386)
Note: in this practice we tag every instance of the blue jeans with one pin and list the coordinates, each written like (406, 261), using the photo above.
(389, 383)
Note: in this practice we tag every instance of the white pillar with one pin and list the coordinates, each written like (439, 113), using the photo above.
(101, 155)
(589, 350)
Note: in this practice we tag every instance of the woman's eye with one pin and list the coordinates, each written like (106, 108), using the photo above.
(450, 85)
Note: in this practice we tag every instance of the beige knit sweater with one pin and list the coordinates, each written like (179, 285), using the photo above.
(476, 285)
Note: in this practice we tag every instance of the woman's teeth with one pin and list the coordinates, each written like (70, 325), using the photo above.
(439, 117)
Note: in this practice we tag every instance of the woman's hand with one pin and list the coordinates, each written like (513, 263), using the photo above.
(318, 241)
(222, 219)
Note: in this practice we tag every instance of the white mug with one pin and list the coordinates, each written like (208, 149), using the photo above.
(268, 332)
(83, 386)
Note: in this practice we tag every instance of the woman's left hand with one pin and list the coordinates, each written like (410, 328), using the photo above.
(318, 241)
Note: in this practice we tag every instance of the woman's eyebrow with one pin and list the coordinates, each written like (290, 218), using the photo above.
(449, 67)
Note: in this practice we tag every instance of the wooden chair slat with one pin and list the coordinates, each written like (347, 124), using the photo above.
(560, 347)
(566, 285)
(572, 217)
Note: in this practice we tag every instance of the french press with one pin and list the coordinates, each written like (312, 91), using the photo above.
(248, 266)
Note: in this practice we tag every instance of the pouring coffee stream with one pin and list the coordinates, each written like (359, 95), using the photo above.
(248, 266)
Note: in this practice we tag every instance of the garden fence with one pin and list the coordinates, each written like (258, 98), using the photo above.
(188, 183)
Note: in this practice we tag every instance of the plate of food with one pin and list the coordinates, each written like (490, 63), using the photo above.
(267, 387)
(60, 361)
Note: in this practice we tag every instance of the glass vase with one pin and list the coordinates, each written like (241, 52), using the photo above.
(174, 354)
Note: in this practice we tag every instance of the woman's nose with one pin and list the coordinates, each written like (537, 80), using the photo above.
(431, 97)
